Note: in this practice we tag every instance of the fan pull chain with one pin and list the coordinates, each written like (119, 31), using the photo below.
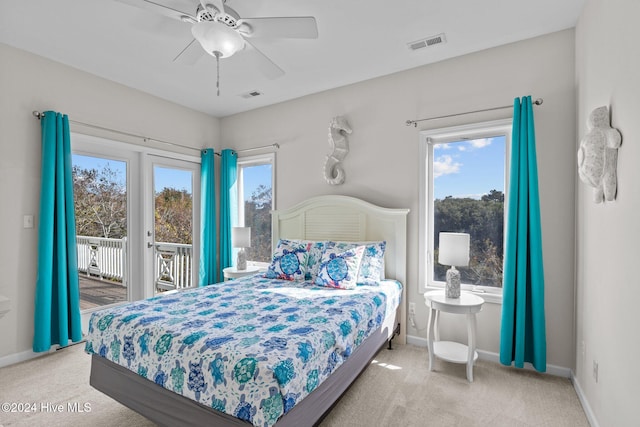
(218, 72)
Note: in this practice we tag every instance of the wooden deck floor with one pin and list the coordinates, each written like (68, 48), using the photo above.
(95, 292)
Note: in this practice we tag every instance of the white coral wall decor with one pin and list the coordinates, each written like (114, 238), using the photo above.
(598, 155)
(339, 145)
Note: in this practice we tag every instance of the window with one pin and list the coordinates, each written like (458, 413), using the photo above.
(462, 189)
(255, 199)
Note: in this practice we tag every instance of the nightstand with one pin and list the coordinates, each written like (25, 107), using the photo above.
(468, 304)
(234, 273)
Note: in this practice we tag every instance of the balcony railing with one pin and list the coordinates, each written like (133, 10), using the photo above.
(106, 259)
(173, 265)
(102, 257)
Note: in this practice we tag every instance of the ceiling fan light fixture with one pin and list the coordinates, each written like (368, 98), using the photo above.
(217, 37)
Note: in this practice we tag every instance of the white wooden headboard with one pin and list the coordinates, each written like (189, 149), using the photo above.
(344, 218)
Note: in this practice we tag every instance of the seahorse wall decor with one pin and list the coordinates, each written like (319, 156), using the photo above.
(598, 156)
(338, 131)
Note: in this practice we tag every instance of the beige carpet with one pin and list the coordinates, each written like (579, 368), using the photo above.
(396, 390)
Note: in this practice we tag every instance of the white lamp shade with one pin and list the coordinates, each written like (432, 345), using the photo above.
(217, 37)
(454, 249)
(241, 237)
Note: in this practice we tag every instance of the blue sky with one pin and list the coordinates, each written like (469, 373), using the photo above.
(164, 177)
(469, 168)
(89, 162)
(253, 176)
(173, 178)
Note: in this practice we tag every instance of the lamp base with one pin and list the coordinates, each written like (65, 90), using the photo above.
(241, 260)
(453, 283)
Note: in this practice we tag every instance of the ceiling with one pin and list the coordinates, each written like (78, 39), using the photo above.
(358, 40)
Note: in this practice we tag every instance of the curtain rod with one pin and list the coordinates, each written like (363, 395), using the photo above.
(275, 146)
(38, 115)
(538, 101)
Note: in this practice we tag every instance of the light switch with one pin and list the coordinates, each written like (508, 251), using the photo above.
(27, 221)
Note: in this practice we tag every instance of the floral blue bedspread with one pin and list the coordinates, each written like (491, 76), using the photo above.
(251, 347)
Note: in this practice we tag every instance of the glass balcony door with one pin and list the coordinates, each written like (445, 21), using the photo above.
(101, 207)
(171, 223)
(137, 216)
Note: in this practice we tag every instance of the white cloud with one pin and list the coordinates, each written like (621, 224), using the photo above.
(445, 146)
(445, 165)
(480, 143)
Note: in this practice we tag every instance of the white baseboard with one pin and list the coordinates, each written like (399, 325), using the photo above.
(14, 358)
(558, 371)
(419, 341)
(584, 402)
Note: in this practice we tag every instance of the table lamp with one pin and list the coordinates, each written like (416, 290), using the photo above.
(454, 251)
(241, 238)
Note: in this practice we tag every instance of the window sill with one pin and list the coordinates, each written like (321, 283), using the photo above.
(490, 297)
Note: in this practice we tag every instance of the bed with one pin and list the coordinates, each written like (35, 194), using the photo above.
(252, 367)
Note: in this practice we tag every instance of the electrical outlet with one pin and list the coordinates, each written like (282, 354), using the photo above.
(27, 221)
(412, 308)
(595, 370)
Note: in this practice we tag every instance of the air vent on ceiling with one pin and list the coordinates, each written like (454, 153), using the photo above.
(428, 42)
(251, 94)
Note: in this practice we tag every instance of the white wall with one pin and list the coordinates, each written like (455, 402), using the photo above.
(382, 166)
(607, 314)
(27, 83)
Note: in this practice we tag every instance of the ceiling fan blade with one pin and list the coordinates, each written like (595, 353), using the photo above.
(190, 54)
(266, 66)
(161, 9)
(218, 4)
(295, 27)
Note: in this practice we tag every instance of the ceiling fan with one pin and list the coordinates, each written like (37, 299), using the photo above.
(220, 31)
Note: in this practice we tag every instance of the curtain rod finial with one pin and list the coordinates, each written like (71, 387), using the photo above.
(538, 101)
(37, 114)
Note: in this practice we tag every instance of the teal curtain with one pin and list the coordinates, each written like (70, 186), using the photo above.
(207, 272)
(57, 299)
(228, 205)
(523, 336)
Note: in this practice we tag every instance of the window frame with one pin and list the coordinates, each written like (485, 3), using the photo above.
(248, 161)
(428, 139)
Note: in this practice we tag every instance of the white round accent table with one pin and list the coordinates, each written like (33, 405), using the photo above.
(449, 351)
(234, 273)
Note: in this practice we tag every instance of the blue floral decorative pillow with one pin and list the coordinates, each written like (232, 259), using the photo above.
(372, 265)
(338, 268)
(289, 261)
(314, 256)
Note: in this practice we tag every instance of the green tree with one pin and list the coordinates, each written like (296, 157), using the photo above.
(493, 196)
(257, 215)
(484, 220)
(173, 216)
(100, 202)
